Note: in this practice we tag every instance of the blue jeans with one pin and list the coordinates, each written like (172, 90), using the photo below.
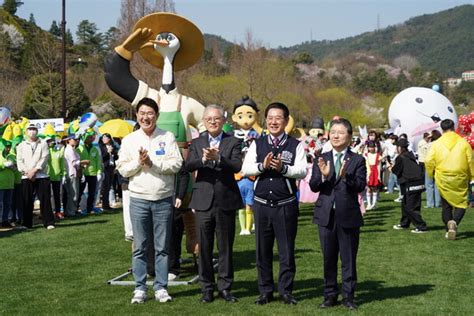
(433, 199)
(392, 182)
(151, 217)
(5, 203)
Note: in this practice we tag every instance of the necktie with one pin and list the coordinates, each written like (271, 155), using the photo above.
(275, 142)
(338, 164)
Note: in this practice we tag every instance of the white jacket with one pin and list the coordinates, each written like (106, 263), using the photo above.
(153, 183)
(31, 155)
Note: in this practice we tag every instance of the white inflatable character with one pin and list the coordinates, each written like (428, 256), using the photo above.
(417, 110)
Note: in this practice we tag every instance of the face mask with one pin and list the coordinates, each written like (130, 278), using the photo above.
(32, 133)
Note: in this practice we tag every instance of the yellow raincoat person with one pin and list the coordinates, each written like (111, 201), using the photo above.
(450, 160)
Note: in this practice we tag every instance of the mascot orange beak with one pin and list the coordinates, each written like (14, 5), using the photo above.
(162, 43)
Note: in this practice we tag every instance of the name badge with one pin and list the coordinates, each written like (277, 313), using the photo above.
(161, 150)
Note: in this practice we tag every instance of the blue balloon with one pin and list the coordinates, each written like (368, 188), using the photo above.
(436, 87)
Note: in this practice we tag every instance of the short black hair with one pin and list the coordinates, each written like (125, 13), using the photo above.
(278, 105)
(343, 122)
(148, 102)
(435, 134)
(447, 125)
(246, 100)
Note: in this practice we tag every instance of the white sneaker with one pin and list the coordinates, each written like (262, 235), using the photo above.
(369, 207)
(452, 230)
(398, 200)
(398, 227)
(139, 297)
(172, 276)
(163, 296)
(50, 227)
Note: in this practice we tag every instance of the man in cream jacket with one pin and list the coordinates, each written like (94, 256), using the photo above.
(150, 158)
(32, 161)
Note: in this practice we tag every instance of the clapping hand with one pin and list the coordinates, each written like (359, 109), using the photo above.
(276, 163)
(343, 170)
(324, 167)
(267, 160)
(144, 158)
(211, 154)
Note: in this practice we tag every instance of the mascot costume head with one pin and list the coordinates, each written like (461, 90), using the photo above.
(416, 110)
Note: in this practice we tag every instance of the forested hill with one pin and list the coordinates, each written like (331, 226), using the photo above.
(443, 41)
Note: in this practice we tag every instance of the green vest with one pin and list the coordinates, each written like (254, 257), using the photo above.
(7, 175)
(56, 163)
(95, 160)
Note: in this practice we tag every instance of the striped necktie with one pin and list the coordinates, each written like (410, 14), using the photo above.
(338, 164)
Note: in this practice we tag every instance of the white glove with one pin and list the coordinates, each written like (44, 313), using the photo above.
(99, 177)
(83, 179)
(8, 164)
(63, 180)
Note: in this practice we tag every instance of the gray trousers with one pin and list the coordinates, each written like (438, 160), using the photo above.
(72, 192)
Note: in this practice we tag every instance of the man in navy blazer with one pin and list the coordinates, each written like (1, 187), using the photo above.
(216, 156)
(338, 176)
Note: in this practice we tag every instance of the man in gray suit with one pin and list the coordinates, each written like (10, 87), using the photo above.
(216, 156)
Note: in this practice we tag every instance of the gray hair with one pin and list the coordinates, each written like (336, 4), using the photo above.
(216, 107)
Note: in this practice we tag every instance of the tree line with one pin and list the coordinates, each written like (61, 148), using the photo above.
(357, 86)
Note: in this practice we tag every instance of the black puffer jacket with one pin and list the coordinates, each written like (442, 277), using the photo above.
(407, 169)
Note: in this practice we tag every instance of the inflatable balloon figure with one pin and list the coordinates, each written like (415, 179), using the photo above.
(87, 121)
(416, 110)
(5, 115)
(245, 116)
(312, 144)
(466, 128)
(171, 43)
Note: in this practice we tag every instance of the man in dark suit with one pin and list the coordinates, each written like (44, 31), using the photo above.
(216, 156)
(338, 176)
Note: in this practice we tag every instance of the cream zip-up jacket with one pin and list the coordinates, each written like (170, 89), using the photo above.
(31, 155)
(157, 182)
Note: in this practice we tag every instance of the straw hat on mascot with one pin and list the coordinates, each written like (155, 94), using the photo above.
(171, 43)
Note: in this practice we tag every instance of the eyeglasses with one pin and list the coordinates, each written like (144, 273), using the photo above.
(213, 119)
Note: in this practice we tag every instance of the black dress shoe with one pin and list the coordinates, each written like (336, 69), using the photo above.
(207, 297)
(288, 299)
(227, 296)
(349, 303)
(264, 299)
(329, 301)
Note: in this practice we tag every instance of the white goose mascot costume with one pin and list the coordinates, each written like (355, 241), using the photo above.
(170, 42)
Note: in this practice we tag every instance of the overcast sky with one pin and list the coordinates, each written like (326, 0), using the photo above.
(273, 22)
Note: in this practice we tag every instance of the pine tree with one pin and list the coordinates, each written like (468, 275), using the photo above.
(11, 6)
(54, 29)
(32, 19)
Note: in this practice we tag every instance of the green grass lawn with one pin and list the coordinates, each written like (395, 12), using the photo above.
(64, 271)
